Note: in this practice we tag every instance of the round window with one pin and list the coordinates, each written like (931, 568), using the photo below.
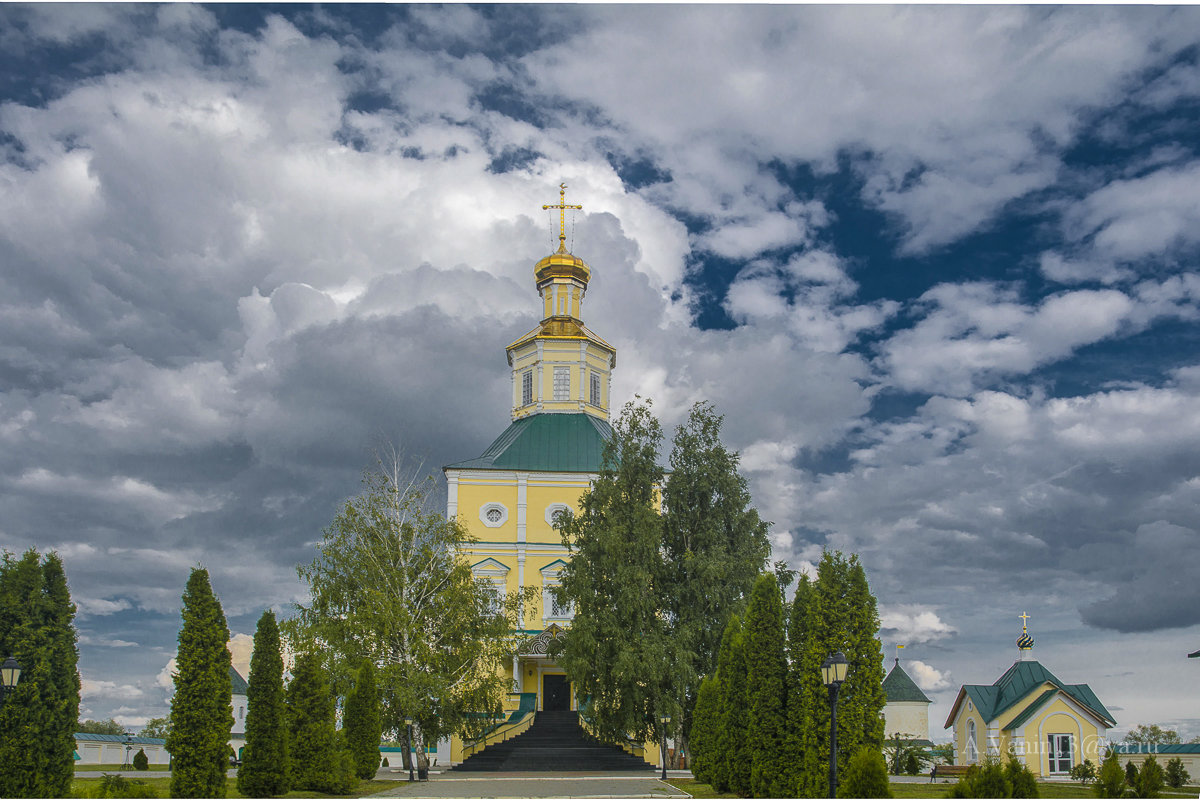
(494, 515)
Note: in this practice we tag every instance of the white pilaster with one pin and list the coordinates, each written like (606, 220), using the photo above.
(451, 496)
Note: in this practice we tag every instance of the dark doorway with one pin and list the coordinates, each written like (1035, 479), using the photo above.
(556, 693)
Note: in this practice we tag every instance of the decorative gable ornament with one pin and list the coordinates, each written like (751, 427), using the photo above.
(541, 644)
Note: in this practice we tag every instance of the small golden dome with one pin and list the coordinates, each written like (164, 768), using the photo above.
(562, 265)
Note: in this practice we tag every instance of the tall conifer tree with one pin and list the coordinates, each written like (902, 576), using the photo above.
(840, 615)
(735, 747)
(796, 640)
(706, 733)
(318, 758)
(63, 699)
(766, 680)
(37, 723)
(265, 758)
(360, 720)
(201, 708)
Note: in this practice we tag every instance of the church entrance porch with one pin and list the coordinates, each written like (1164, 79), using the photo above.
(556, 693)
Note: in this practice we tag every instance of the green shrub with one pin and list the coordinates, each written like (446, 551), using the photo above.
(983, 780)
(1176, 775)
(1111, 780)
(1150, 778)
(385, 762)
(140, 762)
(866, 775)
(1020, 778)
(912, 764)
(1084, 772)
(120, 786)
(1131, 773)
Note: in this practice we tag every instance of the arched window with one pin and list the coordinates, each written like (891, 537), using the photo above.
(972, 748)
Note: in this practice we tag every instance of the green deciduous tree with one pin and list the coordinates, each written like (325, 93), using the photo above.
(390, 585)
(705, 737)
(839, 615)
(317, 756)
(107, 727)
(263, 772)
(201, 708)
(1152, 734)
(619, 651)
(38, 721)
(766, 680)
(866, 775)
(156, 727)
(714, 543)
(360, 720)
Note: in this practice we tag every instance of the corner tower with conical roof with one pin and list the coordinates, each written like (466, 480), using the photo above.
(539, 466)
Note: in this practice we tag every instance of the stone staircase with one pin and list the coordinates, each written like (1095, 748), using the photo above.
(555, 742)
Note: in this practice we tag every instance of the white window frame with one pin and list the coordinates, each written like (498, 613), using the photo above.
(526, 387)
(551, 611)
(555, 508)
(483, 514)
(562, 384)
(972, 747)
(594, 388)
(1055, 761)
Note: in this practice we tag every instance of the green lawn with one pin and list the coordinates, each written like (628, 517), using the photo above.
(84, 787)
(1047, 790)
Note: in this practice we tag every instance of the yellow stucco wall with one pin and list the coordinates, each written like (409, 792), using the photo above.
(1030, 742)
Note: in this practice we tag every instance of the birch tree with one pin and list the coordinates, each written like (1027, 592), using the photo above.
(391, 585)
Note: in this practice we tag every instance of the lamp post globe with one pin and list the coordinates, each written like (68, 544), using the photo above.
(10, 673)
(833, 675)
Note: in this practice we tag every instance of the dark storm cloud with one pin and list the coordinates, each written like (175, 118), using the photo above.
(242, 247)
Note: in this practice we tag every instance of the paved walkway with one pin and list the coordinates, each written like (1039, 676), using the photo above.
(532, 784)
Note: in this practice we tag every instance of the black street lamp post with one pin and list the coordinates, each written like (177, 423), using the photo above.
(128, 749)
(408, 721)
(833, 674)
(665, 720)
(10, 673)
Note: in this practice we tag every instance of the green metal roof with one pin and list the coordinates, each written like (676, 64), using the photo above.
(546, 443)
(1018, 682)
(899, 687)
(1157, 749)
(237, 682)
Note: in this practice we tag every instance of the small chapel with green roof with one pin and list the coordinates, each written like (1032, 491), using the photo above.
(1050, 725)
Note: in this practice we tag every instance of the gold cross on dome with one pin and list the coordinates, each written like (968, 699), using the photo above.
(562, 216)
(1024, 619)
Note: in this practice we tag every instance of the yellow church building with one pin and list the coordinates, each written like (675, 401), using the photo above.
(1051, 726)
(539, 466)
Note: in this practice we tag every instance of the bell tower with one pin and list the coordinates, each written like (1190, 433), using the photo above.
(561, 366)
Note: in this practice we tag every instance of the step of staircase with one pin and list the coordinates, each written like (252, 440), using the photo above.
(555, 742)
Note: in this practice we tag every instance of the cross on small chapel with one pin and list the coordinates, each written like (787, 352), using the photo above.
(562, 207)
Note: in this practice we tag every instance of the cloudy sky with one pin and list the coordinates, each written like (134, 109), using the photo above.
(934, 264)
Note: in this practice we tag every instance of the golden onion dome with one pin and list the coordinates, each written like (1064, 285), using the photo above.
(562, 265)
